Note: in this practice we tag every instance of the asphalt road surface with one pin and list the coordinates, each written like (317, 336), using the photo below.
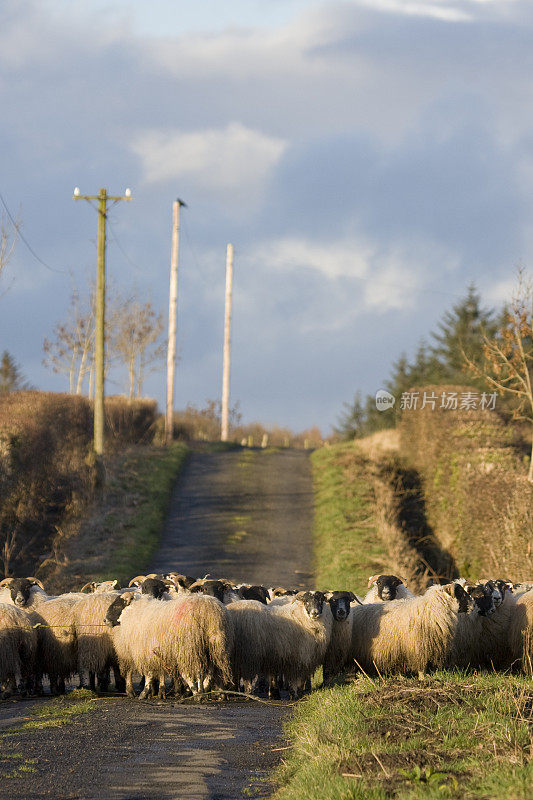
(245, 515)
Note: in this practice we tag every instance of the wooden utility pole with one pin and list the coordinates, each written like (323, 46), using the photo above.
(172, 314)
(227, 345)
(99, 340)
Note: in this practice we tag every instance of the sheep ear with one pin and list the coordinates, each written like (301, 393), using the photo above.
(372, 580)
(6, 582)
(89, 587)
(36, 582)
(328, 595)
(137, 580)
(352, 597)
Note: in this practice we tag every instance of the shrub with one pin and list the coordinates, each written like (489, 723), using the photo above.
(479, 501)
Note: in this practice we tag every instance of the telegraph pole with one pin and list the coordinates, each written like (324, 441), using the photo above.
(99, 341)
(172, 314)
(227, 343)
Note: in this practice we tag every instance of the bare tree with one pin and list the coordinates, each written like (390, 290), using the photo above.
(71, 350)
(136, 329)
(508, 355)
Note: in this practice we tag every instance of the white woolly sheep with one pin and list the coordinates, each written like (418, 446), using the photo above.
(188, 637)
(520, 635)
(273, 640)
(18, 646)
(407, 636)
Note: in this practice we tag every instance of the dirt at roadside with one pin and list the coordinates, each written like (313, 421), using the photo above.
(244, 514)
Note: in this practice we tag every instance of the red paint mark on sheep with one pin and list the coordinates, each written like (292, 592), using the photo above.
(181, 611)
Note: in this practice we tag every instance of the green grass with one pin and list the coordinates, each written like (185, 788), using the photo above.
(455, 735)
(346, 546)
(149, 479)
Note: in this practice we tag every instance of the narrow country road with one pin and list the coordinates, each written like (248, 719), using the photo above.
(242, 514)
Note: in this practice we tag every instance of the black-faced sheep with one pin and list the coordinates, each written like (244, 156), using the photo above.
(384, 588)
(407, 636)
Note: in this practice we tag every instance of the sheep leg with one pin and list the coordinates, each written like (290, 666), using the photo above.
(162, 689)
(273, 688)
(130, 691)
(104, 680)
(147, 691)
(120, 683)
(10, 686)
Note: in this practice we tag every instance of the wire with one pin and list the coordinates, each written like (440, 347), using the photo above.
(28, 245)
(124, 253)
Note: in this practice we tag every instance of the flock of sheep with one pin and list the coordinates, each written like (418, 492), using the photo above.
(191, 636)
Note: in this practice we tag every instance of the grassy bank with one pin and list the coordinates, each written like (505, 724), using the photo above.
(455, 735)
(452, 736)
(120, 533)
(347, 548)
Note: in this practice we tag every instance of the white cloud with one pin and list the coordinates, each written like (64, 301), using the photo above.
(333, 260)
(387, 279)
(419, 9)
(231, 159)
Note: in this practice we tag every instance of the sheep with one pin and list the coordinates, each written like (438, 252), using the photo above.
(384, 588)
(273, 640)
(341, 632)
(280, 591)
(407, 636)
(465, 650)
(22, 592)
(254, 592)
(493, 646)
(520, 634)
(57, 652)
(221, 589)
(189, 637)
(102, 586)
(18, 646)
(95, 648)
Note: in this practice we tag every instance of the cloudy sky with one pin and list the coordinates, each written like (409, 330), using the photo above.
(368, 159)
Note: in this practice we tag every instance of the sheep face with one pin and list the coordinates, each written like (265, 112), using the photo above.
(112, 617)
(154, 587)
(387, 586)
(339, 602)
(259, 593)
(20, 591)
(483, 598)
(181, 581)
(212, 588)
(313, 602)
(498, 587)
(279, 591)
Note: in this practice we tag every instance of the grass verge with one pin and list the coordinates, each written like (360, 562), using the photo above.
(151, 479)
(119, 534)
(455, 735)
(346, 546)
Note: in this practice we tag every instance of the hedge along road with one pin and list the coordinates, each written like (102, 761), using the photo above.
(245, 515)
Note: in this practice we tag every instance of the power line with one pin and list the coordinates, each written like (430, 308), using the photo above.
(122, 250)
(19, 233)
